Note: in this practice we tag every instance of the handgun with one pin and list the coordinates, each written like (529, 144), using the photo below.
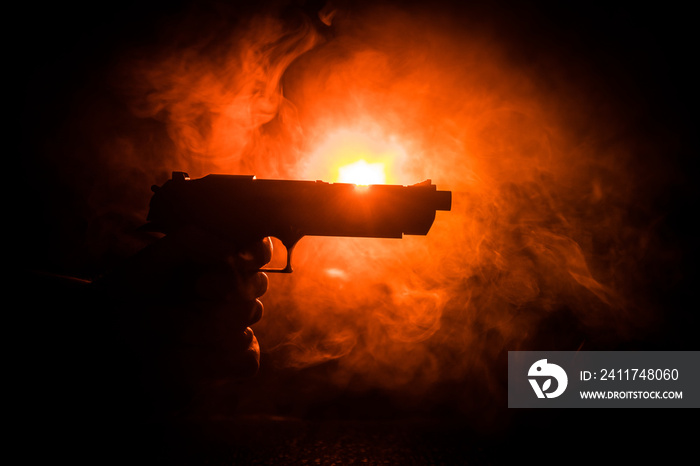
(242, 209)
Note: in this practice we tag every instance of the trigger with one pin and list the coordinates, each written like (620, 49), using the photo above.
(289, 246)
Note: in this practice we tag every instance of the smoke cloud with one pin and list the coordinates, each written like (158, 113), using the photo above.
(553, 233)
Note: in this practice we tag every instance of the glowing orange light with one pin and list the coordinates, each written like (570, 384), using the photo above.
(358, 156)
(362, 173)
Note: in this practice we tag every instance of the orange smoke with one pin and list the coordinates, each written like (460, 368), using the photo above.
(536, 251)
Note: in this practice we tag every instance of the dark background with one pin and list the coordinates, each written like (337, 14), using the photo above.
(646, 54)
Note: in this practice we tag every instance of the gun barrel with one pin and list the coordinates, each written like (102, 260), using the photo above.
(245, 208)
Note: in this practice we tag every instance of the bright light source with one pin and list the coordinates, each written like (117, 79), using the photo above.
(362, 173)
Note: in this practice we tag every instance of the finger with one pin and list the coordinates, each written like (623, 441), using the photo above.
(242, 362)
(241, 358)
(217, 284)
(211, 323)
(255, 255)
(230, 286)
(253, 286)
(257, 313)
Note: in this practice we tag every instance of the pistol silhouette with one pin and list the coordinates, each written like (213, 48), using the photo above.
(243, 209)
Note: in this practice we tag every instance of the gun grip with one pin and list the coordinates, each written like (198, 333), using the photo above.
(289, 246)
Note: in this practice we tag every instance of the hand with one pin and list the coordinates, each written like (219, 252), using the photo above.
(185, 306)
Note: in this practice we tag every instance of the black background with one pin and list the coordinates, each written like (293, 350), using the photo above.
(646, 52)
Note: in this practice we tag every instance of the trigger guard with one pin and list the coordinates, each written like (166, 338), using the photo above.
(289, 246)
